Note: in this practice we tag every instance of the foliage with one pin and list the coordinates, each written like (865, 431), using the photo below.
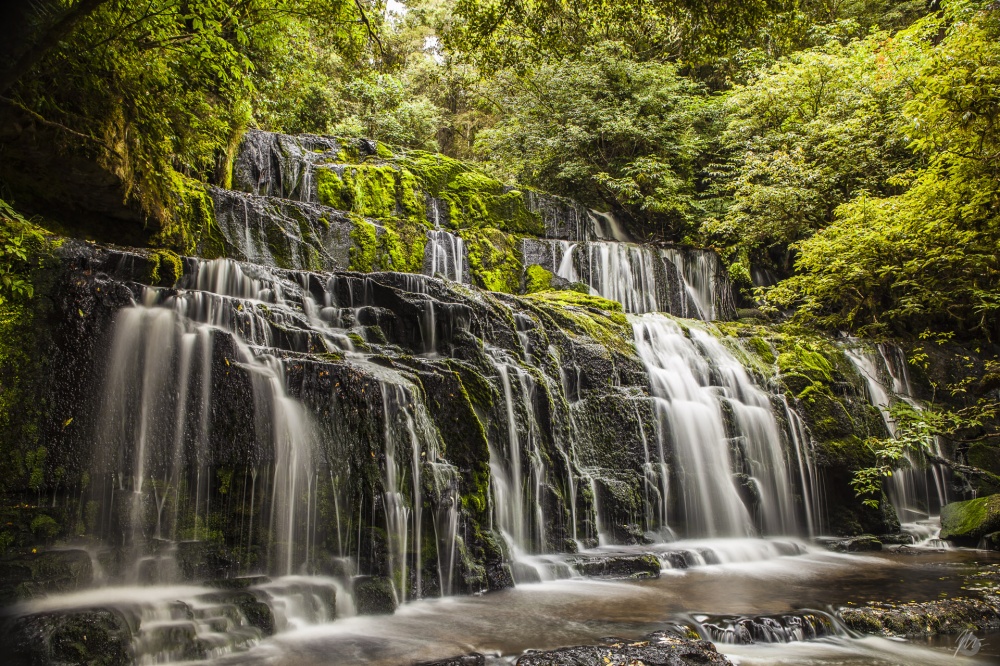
(604, 128)
(164, 87)
(924, 259)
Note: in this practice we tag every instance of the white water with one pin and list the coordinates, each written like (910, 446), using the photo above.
(919, 490)
(693, 379)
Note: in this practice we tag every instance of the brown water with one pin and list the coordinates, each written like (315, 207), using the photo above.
(576, 611)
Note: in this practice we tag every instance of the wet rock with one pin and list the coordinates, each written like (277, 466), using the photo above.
(97, 637)
(618, 566)
(238, 583)
(666, 651)
(898, 539)
(37, 574)
(373, 595)
(965, 523)
(945, 616)
(257, 612)
(865, 543)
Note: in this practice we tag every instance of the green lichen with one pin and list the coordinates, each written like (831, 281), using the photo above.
(537, 279)
(494, 259)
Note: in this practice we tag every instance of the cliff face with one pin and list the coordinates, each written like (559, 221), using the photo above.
(303, 392)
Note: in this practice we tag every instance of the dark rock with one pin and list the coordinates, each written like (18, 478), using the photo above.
(947, 616)
(666, 651)
(98, 637)
(473, 659)
(618, 566)
(256, 611)
(898, 539)
(373, 595)
(238, 583)
(37, 574)
(861, 544)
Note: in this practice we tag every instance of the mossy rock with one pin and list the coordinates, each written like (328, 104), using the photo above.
(495, 261)
(537, 278)
(966, 523)
(985, 457)
(373, 595)
(97, 637)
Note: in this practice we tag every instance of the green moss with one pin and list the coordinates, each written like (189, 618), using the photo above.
(582, 300)
(401, 245)
(984, 457)
(331, 190)
(188, 224)
(494, 259)
(383, 150)
(972, 520)
(537, 279)
(762, 349)
(802, 358)
(364, 246)
(582, 314)
(166, 268)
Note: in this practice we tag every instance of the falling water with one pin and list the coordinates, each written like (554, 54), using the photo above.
(695, 382)
(918, 491)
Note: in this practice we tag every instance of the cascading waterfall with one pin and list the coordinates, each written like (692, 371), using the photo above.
(444, 253)
(695, 382)
(698, 269)
(918, 491)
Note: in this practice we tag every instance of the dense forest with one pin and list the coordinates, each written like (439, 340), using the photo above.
(849, 151)
(838, 161)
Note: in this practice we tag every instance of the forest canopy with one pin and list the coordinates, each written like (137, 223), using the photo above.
(847, 149)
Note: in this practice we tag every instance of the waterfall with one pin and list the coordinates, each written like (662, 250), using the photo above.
(444, 252)
(918, 491)
(698, 270)
(722, 433)
(626, 273)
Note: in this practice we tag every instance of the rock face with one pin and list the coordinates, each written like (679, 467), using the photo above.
(658, 652)
(966, 523)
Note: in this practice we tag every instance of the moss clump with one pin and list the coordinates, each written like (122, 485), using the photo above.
(494, 259)
(401, 245)
(537, 279)
(166, 268)
(330, 189)
(582, 300)
(802, 358)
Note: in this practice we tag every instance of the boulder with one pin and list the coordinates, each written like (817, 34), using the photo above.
(965, 523)
(618, 566)
(99, 637)
(865, 543)
(373, 595)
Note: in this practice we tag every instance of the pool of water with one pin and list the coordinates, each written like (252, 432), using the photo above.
(577, 611)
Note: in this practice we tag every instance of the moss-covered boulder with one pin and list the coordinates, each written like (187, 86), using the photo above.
(966, 523)
(373, 595)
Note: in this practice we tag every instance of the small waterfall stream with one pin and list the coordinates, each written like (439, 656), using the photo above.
(919, 490)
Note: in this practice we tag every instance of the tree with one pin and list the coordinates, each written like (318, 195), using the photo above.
(604, 128)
